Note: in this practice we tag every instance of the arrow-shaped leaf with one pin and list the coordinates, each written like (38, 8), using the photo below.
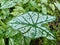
(30, 24)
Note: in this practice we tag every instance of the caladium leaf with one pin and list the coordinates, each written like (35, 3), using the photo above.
(8, 4)
(30, 25)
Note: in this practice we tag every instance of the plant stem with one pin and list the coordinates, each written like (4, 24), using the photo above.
(6, 41)
(24, 41)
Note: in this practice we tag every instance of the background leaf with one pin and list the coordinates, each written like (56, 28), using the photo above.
(2, 41)
(8, 4)
(57, 4)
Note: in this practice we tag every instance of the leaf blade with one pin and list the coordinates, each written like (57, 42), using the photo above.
(33, 32)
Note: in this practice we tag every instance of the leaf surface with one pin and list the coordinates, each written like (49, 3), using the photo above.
(8, 4)
(30, 25)
(57, 4)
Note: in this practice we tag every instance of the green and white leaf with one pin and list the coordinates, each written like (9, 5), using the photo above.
(21, 1)
(17, 1)
(8, 4)
(30, 25)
